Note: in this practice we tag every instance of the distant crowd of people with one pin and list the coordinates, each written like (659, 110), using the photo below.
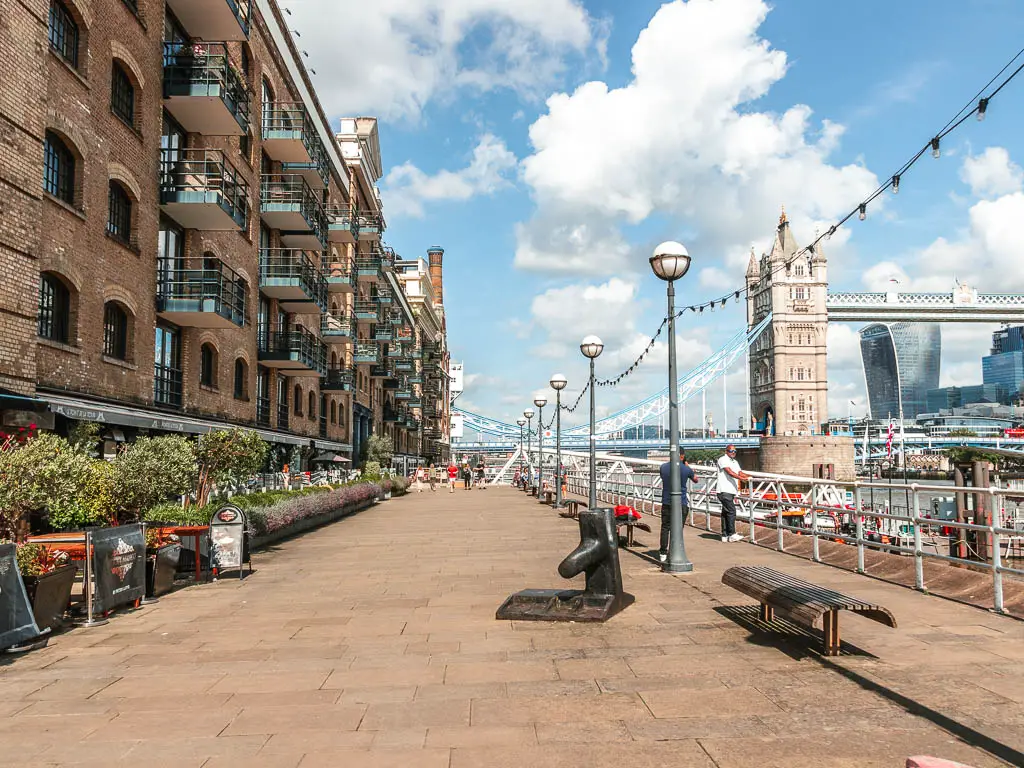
(433, 475)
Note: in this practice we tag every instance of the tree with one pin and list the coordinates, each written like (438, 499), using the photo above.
(152, 470)
(227, 456)
(84, 436)
(379, 449)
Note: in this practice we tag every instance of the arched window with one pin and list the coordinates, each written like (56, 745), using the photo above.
(334, 412)
(246, 62)
(311, 406)
(297, 400)
(268, 92)
(241, 380)
(119, 214)
(59, 169)
(122, 94)
(115, 331)
(208, 365)
(54, 308)
(63, 33)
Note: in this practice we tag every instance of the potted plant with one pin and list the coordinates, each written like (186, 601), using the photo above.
(48, 577)
(163, 551)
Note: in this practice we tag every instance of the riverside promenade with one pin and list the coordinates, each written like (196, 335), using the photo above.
(372, 642)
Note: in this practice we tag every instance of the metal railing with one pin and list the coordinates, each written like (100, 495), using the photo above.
(204, 70)
(307, 348)
(290, 190)
(339, 379)
(341, 217)
(282, 415)
(366, 310)
(825, 510)
(203, 176)
(219, 290)
(263, 411)
(290, 120)
(292, 264)
(167, 386)
(336, 323)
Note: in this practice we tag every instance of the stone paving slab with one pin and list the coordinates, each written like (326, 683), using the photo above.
(372, 642)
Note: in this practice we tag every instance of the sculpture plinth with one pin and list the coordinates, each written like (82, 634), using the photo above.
(598, 556)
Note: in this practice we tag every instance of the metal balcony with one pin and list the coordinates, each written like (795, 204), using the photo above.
(415, 402)
(366, 352)
(263, 411)
(404, 365)
(167, 389)
(370, 226)
(384, 295)
(200, 189)
(391, 416)
(387, 259)
(201, 298)
(288, 204)
(202, 91)
(342, 226)
(337, 328)
(403, 392)
(395, 351)
(415, 378)
(298, 351)
(291, 277)
(383, 333)
(338, 380)
(289, 135)
(339, 276)
(396, 319)
(366, 311)
(213, 19)
(282, 415)
(380, 371)
(368, 266)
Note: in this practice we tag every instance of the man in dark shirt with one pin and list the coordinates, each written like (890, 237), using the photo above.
(686, 474)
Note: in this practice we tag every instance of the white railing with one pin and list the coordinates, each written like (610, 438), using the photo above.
(831, 511)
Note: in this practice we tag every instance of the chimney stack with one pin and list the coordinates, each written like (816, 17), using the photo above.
(435, 254)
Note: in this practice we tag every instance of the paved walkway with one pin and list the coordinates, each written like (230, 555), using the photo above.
(373, 642)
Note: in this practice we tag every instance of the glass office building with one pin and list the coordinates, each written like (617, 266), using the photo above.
(1005, 366)
(901, 364)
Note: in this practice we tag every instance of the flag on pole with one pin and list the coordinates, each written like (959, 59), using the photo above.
(889, 438)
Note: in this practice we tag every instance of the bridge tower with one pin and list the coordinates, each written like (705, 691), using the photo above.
(788, 369)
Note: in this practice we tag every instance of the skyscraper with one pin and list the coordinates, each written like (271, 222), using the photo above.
(1005, 366)
(901, 363)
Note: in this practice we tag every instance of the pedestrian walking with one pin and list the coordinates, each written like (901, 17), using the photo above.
(432, 477)
(729, 477)
(453, 475)
(419, 479)
(467, 476)
(686, 475)
(481, 475)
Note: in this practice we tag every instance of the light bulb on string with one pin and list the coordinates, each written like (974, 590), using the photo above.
(863, 211)
(982, 108)
(936, 153)
(896, 184)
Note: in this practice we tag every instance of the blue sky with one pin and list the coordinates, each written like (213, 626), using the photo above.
(547, 145)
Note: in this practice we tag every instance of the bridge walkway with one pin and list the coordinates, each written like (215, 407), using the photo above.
(372, 642)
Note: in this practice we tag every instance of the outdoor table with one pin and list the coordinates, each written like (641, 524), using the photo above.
(196, 533)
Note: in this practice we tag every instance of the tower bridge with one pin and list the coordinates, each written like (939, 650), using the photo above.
(784, 353)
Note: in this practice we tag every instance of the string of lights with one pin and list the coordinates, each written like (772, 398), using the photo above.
(579, 399)
(636, 363)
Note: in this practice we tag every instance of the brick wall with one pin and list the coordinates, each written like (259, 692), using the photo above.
(799, 455)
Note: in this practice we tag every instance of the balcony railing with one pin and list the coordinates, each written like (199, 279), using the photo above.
(213, 19)
(291, 277)
(288, 204)
(263, 411)
(343, 227)
(380, 371)
(384, 295)
(290, 137)
(339, 276)
(203, 91)
(383, 333)
(368, 266)
(371, 225)
(366, 352)
(366, 310)
(297, 350)
(167, 386)
(282, 415)
(337, 326)
(202, 298)
(200, 189)
(387, 259)
(338, 380)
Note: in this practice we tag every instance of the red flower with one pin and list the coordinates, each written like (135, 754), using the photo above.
(31, 426)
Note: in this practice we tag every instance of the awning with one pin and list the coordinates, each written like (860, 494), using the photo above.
(331, 458)
(142, 418)
(15, 401)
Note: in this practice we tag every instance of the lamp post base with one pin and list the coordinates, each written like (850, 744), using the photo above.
(684, 567)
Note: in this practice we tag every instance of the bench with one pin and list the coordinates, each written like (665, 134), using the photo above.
(574, 507)
(630, 526)
(801, 602)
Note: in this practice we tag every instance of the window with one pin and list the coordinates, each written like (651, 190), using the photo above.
(59, 164)
(311, 406)
(801, 292)
(208, 365)
(334, 412)
(799, 270)
(54, 309)
(297, 400)
(167, 366)
(119, 214)
(115, 331)
(241, 380)
(246, 62)
(63, 33)
(122, 94)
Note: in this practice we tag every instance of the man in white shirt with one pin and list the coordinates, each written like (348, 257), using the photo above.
(729, 476)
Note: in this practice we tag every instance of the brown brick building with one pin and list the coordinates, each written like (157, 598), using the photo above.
(185, 242)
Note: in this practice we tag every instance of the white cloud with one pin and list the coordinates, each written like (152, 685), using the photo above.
(690, 149)
(408, 52)
(992, 173)
(407, 188)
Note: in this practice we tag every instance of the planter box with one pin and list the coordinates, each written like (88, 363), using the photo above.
(160, 569)
(301, 526)
(50, 595)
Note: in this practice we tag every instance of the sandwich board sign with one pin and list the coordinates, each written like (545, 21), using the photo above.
(227, 539)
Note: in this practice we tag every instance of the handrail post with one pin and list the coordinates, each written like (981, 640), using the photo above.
(859, 523)
(997, 555)
(918, 551)
(815, 553)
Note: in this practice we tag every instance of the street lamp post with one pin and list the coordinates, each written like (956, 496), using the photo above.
(540, 400)
(521, 422)
(528, 413)
(558, 383)
(591, 347)
(670, 262)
